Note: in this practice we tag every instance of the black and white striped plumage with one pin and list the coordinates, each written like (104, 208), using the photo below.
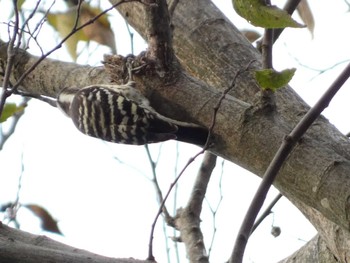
(121, 114)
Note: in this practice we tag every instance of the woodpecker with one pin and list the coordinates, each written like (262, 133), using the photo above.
(121, 114)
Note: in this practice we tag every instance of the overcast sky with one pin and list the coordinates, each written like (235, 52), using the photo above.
(81, 180)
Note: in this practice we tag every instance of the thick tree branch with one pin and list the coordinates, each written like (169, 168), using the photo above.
(279, 159)
(19, 246)
(243, 135)
(315, 250)
(212, 49)
(159, 37)
(58, 74)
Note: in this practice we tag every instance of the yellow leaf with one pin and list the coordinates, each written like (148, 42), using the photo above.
(99, 31)
(251, 35)
(64, 24)
(9, 110)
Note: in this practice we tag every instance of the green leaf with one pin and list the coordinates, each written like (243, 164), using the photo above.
(270, 79)
(9, 110)
(259, 14)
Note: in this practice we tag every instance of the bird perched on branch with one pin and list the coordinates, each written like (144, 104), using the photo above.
(121, 114)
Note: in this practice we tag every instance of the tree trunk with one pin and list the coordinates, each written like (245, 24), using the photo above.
(248, 130)
(316, 175)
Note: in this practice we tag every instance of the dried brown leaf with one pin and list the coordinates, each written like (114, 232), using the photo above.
(99, 31)
(47, 221)
(305, 14)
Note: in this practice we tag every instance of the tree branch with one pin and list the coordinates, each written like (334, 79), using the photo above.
(188, 220)
(315, 250)
(19, 246)
(159, 37)
(213, 50)
(281, 156)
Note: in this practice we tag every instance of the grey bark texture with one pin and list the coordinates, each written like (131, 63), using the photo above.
(18, 247)
(316, 177)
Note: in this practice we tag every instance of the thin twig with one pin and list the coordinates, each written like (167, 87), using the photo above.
(206, 146)
(153, 164)
(280, 157)
(175, 201)
(59, 45)
(131, 35)
(266, 49)
(290, 7)
(26, 22)
(348, 4)
(150, 244)
(172, 7)
(188, 219)
(10, 60)
(216, 209)
(266, 212)
(267, 96)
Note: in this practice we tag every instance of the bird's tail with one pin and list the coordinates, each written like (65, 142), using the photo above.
(192, 134)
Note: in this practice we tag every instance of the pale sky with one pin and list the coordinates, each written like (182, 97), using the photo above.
(79, 179)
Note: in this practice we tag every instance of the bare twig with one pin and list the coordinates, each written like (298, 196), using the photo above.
(216, 209)
(348, 4)
(175, 202)
(59, 45)
(131, 35)
(280, 157)
(26, 22)
(153, 164)
(4, 93)
(188, 219)
(267, 96)
(150, 244)
(206, 146)
(172, 7)
(266, 49)
(266, 212)
(290, 7)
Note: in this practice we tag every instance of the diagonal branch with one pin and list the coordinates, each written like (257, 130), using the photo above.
(290, 7)
(280, 157)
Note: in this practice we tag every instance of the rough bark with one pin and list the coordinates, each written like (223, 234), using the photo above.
(315, 250)
(316, 175)
(18, 246)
